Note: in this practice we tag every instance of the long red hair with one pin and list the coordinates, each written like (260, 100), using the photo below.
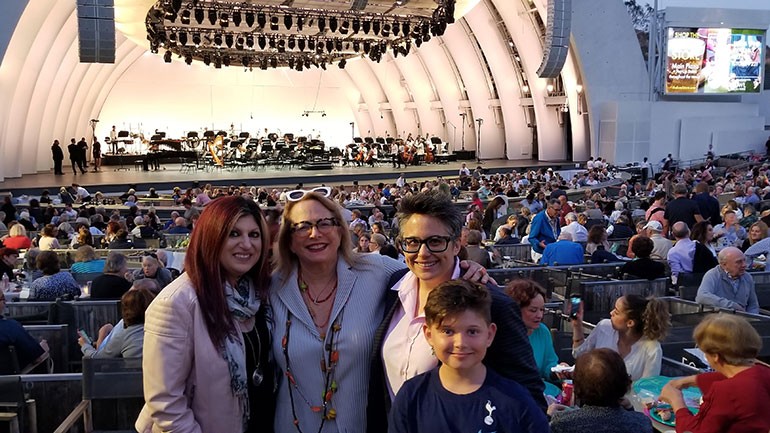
(202, 261)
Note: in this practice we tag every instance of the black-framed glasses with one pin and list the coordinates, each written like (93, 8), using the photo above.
(324, 225)
(435, 244)
(297, 194)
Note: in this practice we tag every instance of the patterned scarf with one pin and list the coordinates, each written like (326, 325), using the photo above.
(243, 303)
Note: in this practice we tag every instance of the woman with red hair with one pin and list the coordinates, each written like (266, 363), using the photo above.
(206, 341)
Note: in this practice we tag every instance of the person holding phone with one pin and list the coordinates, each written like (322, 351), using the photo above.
(634, 330)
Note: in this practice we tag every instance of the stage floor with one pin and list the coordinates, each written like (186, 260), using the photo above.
(111, 180)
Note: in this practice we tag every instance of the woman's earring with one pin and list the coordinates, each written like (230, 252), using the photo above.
(432, 351)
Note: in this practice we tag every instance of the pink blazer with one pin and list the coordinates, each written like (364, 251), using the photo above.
(186, 380)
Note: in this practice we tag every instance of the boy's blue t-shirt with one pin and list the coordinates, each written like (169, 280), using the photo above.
(501, 405)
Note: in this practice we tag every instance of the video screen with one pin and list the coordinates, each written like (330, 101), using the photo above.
(714, 60)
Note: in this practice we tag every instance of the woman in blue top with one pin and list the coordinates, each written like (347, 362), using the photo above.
(531, 297)
(86, 261)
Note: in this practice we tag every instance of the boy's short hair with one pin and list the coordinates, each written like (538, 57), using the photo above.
(454, 297)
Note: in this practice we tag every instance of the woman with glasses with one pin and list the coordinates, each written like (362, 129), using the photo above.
(206, 342)
(634, 330)
(430, 226)
(152, 268)
(326, 301)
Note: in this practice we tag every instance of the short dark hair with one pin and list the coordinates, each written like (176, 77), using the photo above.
(454, 297)
(436, 204)
(600, 378)
(642, 246)
(48, 262)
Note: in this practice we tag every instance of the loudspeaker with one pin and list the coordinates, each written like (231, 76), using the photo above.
(557, 34)
(96, 31)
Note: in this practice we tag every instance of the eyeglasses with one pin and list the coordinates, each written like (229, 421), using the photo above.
(324, 225)
(435, 244)
(297, 194)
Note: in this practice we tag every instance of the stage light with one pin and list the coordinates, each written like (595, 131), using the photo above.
(376, 27)
(385, 30)
(338, 45)
(329, 45)
(274, 23)
(226, 60)
(396, 28)
(172, 37)
(300, 22)
(282, 46)
(185, 19)
(239, 43)
(301, 44)
(237, 18)
(188, 59)
(250, 41)
(292, 43)
(263, 64)
(262, 42)
(333, 24)
(170, 16)
(271, 42)
(167, 57)
(549, 88)
(218, 63)
(176, 5)
(367, 46)
(344, 27)
(245, 61)
(229, 40)
(356, 26)
(218, 40)
(196, 39)
(356, 45)
(287, 21)
(366, 26)
(321, 24)
(206, 59)
(291, 62)
(311, 44)
(213, 16)
(342, 64)
(405, 28)
(273, 62)
(261, 19)
(224, 19)
(183, 38)
(450, 12)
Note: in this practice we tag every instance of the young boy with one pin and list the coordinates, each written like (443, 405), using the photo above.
(462, 395)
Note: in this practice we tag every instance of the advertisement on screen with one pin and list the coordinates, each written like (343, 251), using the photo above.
(714, 60)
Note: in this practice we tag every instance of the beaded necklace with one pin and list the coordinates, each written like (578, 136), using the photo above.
(329, 360)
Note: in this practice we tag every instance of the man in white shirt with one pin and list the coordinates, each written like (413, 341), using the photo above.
(464, 170)
(661, 245)
(401, 181)
(573, 227)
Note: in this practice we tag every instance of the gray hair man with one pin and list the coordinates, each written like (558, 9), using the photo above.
(728, 285)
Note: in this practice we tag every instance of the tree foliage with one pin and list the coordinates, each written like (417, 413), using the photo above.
(640, 14)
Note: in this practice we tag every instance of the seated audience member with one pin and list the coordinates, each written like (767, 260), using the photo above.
(680, 256)
(86, 261)
(142, 228)
(600, 380)
(597, 236)
(705, 256)
(377, 242)
(573, 227)
(729, 233)
(661, 245)
(643, 266)
(736, 393)
(634, 330)
(563, 252)
(179, 228)
(8, 258)
(462, 394)
(125, 339)
(363, 241)
(48, 239)
(28, 351)
(31, 272)
(506, 236)
(475, 251)
(171, 221)
(17, 238)
(728, 285)
(621, 229)
(121, 241)
(757, 232)
(112, 284)
(152, 268)
(531, 299)
(83, 238)
(54, 283)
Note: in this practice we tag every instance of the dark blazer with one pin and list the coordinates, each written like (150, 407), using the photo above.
(510, 354)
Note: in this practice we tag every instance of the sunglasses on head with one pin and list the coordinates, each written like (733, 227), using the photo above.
(153, 255)
(297, 194)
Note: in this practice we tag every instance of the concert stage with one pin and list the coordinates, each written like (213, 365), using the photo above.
(112, 180)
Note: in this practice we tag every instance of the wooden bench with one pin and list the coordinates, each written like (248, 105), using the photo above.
(116, 379)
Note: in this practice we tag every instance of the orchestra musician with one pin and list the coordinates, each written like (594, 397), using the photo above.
(395, 153)
(114, 140)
